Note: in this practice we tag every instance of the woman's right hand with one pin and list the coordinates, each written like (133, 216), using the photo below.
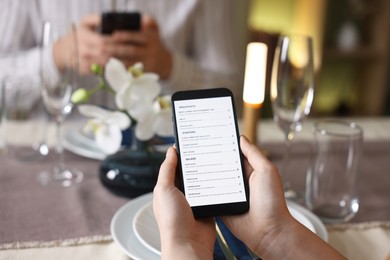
(268, 228)
(268, 211)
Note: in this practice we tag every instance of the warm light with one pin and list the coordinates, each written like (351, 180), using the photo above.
(255, 72)
(291, 17)
(273, 16)
(299, 53)
(254, 87)
(311, 23)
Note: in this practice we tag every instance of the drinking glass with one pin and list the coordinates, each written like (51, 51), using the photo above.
(57, 90)
(292, 90)
(331, 184)
(25, 119)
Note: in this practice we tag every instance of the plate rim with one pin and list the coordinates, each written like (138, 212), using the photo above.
(316, 221)
(139, 237)
(295, 212)
(141, 200)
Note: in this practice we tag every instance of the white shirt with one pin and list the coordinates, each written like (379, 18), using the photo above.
(204, 37)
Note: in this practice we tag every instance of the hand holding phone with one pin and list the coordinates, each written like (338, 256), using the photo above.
(210, 160)
(120, 21)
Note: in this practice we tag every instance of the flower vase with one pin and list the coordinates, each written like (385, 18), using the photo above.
(133, 171)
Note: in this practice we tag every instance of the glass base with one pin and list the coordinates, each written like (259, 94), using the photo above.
(338, 212)
(63, 176)
(335, 214)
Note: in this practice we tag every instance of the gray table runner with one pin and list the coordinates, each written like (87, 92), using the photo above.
(30, 212)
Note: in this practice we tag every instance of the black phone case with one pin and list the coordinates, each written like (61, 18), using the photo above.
(120, 21)
(216, 209)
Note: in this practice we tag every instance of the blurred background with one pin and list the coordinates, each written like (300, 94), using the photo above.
(351, 45)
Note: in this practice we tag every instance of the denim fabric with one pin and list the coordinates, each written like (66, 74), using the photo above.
(238, 248)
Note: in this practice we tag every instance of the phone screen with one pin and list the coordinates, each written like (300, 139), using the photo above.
(209, 151)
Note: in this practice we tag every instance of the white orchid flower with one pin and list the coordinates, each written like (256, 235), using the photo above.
(156, 119)
(117, 75)
(137, 93)
(106, 126)
(131, 88)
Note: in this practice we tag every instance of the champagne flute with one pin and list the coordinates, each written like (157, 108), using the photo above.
(292, 91)
(57, 90)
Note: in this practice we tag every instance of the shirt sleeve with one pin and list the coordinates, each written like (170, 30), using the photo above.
(21, 29)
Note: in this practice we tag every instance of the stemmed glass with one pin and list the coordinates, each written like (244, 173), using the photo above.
(57, 90)
(292, 92)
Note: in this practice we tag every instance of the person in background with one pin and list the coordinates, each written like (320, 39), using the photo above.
(268, 228)
(189, 43)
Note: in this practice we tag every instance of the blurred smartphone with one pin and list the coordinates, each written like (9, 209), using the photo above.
(210, 159)
(120, 21)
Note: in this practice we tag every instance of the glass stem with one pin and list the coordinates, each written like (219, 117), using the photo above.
(59, 146)
(286, 160)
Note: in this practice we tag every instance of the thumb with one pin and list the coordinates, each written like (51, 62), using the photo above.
(253, 154)
(167, 174)
(149, 23)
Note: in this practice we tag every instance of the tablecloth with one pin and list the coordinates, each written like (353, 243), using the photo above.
(51, 222)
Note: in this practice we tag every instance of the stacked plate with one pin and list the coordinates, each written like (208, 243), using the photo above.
(84, 145)
(135, 229)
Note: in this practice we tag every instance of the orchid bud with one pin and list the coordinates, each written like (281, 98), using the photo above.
(97, 69)
(80, 96)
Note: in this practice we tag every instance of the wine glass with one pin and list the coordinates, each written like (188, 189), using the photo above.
(57, 90)
(292, 90)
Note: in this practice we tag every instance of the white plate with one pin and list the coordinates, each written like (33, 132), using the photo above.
(123, 233)
(135, 229)
(80, 144)
(319, 227)
(146, 228)
(298, 215)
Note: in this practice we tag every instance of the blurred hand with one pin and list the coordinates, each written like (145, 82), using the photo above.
(130, 47)
(143, 46)
(182, 236)
(90, 43)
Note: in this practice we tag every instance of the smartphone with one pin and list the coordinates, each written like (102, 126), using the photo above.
(210, 159)
(120, 21)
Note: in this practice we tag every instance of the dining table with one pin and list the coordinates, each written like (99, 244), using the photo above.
(54, 222)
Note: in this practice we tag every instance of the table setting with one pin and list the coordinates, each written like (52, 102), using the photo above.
(88, 192)
(33, 217)
(144, 242)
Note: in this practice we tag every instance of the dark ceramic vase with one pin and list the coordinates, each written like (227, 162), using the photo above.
(132, 171)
